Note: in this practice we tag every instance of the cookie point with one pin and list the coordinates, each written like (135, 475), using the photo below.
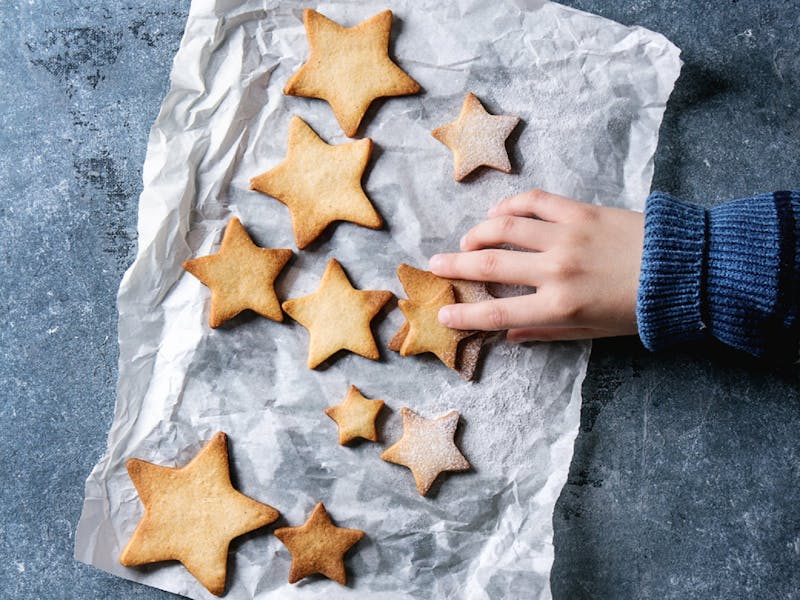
(125, 560)
(217, 590)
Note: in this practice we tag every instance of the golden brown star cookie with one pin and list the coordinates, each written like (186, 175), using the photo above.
(241, 276)
(319, 183)
(427, 448)
(349, 67)
(426, 333)
(477, 138)
(318, 546)
(356, 416)
(191, 514)
(422, 286)
(337, 316)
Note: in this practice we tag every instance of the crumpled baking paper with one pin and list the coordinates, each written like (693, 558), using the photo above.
(591, 94)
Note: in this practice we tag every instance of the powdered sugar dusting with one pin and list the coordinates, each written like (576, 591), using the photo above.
(477, 138)
(427, 447)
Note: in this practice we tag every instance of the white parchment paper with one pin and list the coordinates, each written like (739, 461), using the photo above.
(591, 94)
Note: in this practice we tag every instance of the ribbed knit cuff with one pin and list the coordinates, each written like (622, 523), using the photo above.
(752, 274)
(669, 304)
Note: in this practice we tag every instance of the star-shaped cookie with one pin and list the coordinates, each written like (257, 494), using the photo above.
(191, 514)
(422, 286)
(477, 138)
(349, 67)
(426, 333)
(319, 183)
(356, 416)
(337, 316)
(318, 546)
(427, 448)
(241, 276)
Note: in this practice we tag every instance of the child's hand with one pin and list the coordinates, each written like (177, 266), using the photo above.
(584, 265)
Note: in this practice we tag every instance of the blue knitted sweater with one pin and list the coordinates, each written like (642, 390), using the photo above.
(732, 272)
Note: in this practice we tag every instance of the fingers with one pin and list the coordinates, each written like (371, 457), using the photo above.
(500, 266)
(527, 233)
(497, 314)
(553, 334)
(540, 204)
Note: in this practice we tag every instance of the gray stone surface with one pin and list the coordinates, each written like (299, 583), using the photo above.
(685, 477)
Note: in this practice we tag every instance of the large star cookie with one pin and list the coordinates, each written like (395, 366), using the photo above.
(318, 546)
(349, 67)
(422, 287)
(477, 138)
(337, 316)
(356, 416)
(191, 514)
(241, 276)
(319, 183)
(427, 448)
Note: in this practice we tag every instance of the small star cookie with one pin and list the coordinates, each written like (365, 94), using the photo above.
(349, 67)
(477, 138)
(319, 183)
(241, 276)
(356, 416)
(427, 448)
(191, 514)
(318, 546)
(337, 316)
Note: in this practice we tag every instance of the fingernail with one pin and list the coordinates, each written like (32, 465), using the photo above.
(434, 262)
(491, 212)
(445, 316)
(462, 243)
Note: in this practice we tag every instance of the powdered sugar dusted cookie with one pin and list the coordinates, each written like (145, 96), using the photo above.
(427, 448)
(349, 67)
(477, 138)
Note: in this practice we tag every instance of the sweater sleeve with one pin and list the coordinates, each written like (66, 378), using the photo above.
(732, 272)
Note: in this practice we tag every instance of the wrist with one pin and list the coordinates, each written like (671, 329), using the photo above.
(669, 308)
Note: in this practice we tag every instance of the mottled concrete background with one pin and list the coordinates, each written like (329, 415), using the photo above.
(685, 477)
